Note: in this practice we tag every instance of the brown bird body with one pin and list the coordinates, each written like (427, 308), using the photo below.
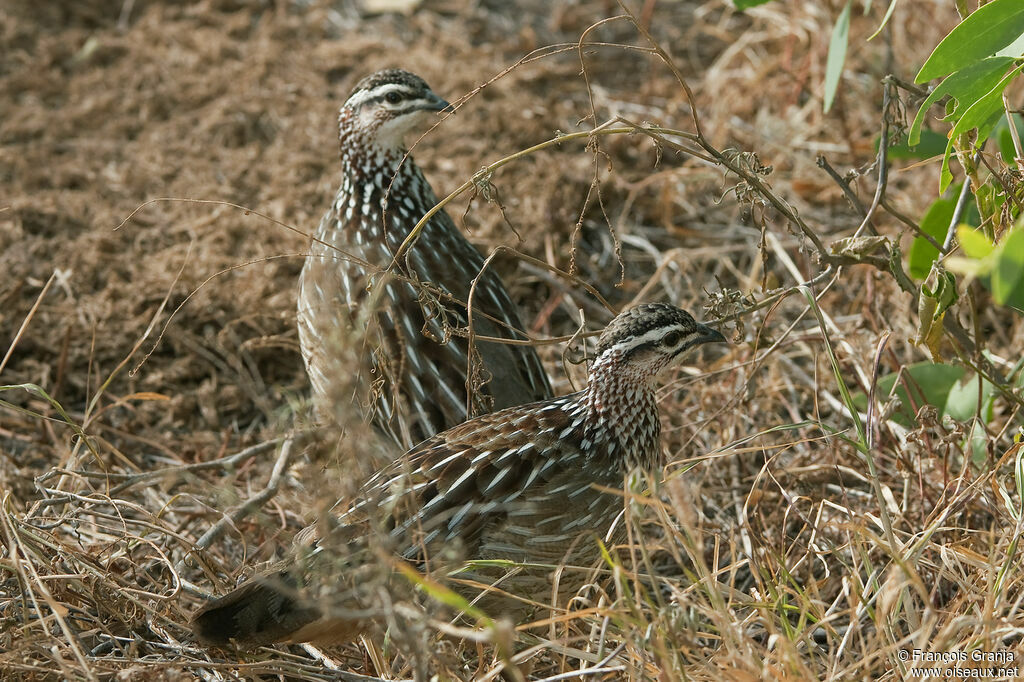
(420, 378)
(522, 485)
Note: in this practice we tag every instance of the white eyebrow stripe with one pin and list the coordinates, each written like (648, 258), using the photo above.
(364, 96)
(358, 98)
(647, 337)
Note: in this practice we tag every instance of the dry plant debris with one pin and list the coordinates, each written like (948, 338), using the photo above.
(153, 424)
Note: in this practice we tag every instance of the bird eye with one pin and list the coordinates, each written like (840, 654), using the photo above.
(671, 339)
(393, 97)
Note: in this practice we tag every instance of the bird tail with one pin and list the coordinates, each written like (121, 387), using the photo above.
(265, 610)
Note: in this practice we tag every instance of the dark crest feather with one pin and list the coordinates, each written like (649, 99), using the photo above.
(641, 319)
(389, 77)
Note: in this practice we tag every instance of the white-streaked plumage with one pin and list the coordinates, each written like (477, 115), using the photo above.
(402, 350)
(524, 484)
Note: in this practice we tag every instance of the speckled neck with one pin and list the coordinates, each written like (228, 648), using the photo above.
(377, 182)
(360, 149)
(622, 410)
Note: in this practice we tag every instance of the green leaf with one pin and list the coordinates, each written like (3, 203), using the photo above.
(966, 87)
(1008, 274)
(747, 4)
(974, 243)
(943, 290)
(837, 54)
(985, 32)
(930, 384)
(929, 144)
(935, 224)
(977, 444)
(999, 266)
(938, 294)
(885, 19)
(1014, 49)
(963, 406)
(980, 113)
(983, 115)
(962, 403)
(990, 198)
(1005, 138)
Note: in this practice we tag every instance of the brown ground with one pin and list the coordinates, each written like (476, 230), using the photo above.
(136, 138)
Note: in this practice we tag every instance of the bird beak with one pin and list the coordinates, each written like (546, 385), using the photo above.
(707, 335)
(435, 103)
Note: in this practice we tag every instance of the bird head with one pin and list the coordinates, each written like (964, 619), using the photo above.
(652, 337)
(388, 104)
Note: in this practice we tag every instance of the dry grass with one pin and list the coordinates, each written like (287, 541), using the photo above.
(792, 538)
